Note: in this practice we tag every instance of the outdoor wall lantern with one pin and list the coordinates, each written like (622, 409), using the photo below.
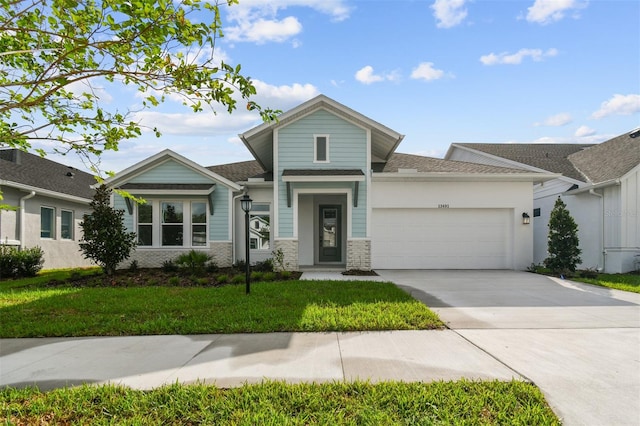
(245, 203)
(526, 219)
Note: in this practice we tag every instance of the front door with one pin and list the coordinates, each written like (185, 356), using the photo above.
(330, 234)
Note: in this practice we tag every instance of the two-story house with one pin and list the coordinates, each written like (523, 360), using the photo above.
(334, 193)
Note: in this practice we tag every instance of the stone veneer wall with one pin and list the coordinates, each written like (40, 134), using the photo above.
(290, 250)
(359, 255)
(221, 253)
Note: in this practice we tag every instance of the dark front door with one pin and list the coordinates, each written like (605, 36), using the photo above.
(330, 234)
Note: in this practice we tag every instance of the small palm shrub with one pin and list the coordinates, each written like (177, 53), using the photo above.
(193, 261)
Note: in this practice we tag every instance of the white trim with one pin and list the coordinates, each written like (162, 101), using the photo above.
(315, 149)
(45, 192)
(368, 189)
(338, 178)
(170, 192)
(333, 191)
(276, 186)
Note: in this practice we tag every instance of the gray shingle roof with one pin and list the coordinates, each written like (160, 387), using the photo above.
(429, 164)
(241, 171)
(32, 170)
(609, 160)
(549, 157)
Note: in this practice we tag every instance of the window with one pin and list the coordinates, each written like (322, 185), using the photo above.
(198, 224)
(260, 229)
(47, 222)
(66, 225)
(172, 224)
(145, 224)
(321, 149)
(536, 212)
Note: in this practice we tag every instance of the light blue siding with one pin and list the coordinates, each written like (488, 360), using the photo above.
(120, 204)
(170, 172)
(219, 221)
(347, 150)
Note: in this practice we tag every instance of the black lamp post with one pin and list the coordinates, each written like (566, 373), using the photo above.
(245, 203)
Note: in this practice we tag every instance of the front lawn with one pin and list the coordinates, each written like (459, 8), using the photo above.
(626, 282)
(277, 403)
(37, 309)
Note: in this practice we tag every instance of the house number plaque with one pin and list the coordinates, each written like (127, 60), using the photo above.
(443, 206)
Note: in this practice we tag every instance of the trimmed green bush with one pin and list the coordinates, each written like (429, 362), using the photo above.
(17, 263)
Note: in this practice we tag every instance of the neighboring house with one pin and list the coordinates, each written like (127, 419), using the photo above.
(334, 193)
(600, 185)
(51, 200)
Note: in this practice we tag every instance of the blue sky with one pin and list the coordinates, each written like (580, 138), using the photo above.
(439, 72)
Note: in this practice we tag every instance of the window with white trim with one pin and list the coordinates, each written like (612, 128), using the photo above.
(321, 148)
(198, 223)
(179, 223)
(47, 222)
(145, 224)
(66, 224)
(172, 232)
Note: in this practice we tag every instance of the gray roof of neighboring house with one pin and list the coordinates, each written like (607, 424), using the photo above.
(242, 171)
(429, 164)
(545, 156)
(609, 160)
(32, 170)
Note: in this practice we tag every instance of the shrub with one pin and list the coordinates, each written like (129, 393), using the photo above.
(256, 275)
(174, 281)
(133, 266)
(589, 273)
(263, 266)
(16, 263)
(269, 276)
(222, 279)
(169, 266)
(193, 261)
(285, 275)
(238, 279)
(240, 265)
(212, 267)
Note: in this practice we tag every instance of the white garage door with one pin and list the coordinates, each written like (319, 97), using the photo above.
(442, 238)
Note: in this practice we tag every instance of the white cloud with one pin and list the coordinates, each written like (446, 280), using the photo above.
(449, 13)
(258, 21)
(557, 120)
(283, 97)
(584, 131)
(192, 124)
(547, 11)
(517, 58)
(366, 75)
(426, 71)
(618, 105)
(263, 30)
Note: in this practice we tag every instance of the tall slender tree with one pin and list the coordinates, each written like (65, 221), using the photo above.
(563, 242)
(105, 239)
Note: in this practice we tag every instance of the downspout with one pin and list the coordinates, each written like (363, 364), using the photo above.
(604, 252)
(233, 223)
(22, 216)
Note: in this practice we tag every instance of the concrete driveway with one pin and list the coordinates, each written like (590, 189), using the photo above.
(579, 344)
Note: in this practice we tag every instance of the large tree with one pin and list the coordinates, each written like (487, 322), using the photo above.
(57, 57)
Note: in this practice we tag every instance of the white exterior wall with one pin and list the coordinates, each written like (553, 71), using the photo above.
(58, 253)
(516, 196)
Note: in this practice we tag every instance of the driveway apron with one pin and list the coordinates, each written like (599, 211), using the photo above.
(579, 344)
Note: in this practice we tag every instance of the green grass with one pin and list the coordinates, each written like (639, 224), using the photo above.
(45, 276)
(277, 403)
(626, 282)
(38, 311)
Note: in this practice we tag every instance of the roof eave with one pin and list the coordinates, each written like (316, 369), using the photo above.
(46, 192)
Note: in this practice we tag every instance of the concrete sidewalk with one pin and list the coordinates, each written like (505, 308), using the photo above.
(145, 362)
